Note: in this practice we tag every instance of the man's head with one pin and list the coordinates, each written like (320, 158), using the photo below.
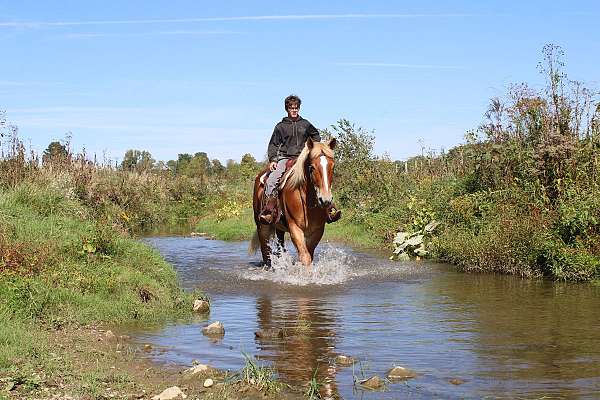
(292, 105)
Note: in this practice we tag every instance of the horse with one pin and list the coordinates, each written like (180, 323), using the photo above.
(304, 197)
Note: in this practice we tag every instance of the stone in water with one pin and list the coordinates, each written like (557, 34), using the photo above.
(214, 329)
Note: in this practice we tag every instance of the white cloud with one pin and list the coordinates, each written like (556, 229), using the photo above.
(399, 65)
(39, 24)
(27, 83)
(85, 35)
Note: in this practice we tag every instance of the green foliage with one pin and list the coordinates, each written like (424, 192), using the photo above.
(578, 218)
(561, 262)
(230, 209)
(407, 244)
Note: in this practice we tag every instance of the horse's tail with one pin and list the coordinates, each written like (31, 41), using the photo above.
(254, 244)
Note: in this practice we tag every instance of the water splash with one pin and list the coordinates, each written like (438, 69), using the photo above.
(332, 266)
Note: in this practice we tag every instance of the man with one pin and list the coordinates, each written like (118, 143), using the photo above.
(287, 142)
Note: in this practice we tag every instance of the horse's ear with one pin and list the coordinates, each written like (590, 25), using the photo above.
(309, 143)
(332, 143)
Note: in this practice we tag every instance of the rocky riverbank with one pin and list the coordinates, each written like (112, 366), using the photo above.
(92, 362)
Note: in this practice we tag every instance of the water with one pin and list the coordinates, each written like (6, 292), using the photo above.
(505, 337)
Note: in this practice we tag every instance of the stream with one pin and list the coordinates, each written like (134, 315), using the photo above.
(498, 337)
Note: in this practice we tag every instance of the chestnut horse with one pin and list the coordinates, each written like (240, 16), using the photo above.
(304, 197)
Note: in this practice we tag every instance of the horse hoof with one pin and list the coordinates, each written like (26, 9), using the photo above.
(266, 266)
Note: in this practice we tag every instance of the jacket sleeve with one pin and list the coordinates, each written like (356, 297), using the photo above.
(313, 133)
(274, 145)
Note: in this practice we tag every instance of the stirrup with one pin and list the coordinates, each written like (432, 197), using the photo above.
(333, 215)
(265, 219)
(269, 215)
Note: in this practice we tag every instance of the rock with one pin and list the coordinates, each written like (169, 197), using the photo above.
(201, 306)
(456, 381)
(196, 369)
(373, 383)
(344, 361)
(147, 348)
(109, 335)
(399, 373)
(214, 329)
(170, 394)
(269, 333)
(208, 383)
(124, 337)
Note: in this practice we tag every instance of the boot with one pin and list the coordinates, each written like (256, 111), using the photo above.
(268, 214)
(333, 214)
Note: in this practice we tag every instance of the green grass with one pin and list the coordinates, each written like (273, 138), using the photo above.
(242, 227)
(237, 227)
(346, 231)
(60, 266)
(263, 378)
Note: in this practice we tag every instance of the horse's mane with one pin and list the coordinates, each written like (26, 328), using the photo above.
(297, 177)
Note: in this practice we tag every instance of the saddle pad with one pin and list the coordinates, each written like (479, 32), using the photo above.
(264, 176)
(288, 165)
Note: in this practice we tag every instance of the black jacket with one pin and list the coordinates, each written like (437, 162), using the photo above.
(289, 137)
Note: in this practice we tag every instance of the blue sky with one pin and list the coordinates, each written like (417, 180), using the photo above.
(187, 76)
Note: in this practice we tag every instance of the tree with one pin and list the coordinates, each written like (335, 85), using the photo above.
(137, 160)
(198, 165)
(248, 160)
(55, 152)
(217, 167)
(354, 144)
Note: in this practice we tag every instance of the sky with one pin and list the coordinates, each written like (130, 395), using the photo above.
(176, 77)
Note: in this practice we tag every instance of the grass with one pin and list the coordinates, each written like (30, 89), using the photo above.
(60, 266)
(261, 377)
(348, 232)
(313, 392)
(242, 227)
(234, 227)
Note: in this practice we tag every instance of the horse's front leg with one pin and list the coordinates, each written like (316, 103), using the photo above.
(281, 239)
(297, 235)
(264, 234)
(313, 239)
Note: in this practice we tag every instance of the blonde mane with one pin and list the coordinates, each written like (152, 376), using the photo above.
(297, 177)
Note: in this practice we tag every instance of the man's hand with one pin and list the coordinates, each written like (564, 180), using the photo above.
(272, 165)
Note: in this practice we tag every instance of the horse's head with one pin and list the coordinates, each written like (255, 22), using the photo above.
(320, 169)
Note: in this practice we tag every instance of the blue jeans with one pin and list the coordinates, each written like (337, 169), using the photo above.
(275, 176)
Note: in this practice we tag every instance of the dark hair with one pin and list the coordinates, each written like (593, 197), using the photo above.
(292, 99)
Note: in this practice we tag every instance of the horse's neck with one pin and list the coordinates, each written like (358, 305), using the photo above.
(308, 191)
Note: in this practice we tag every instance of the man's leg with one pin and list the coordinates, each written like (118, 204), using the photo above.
(269, 213)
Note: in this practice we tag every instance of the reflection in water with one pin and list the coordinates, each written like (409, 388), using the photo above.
(504, 336)
(310, 346)
(538, 335)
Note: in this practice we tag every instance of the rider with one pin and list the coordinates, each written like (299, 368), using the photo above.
(287, 142)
